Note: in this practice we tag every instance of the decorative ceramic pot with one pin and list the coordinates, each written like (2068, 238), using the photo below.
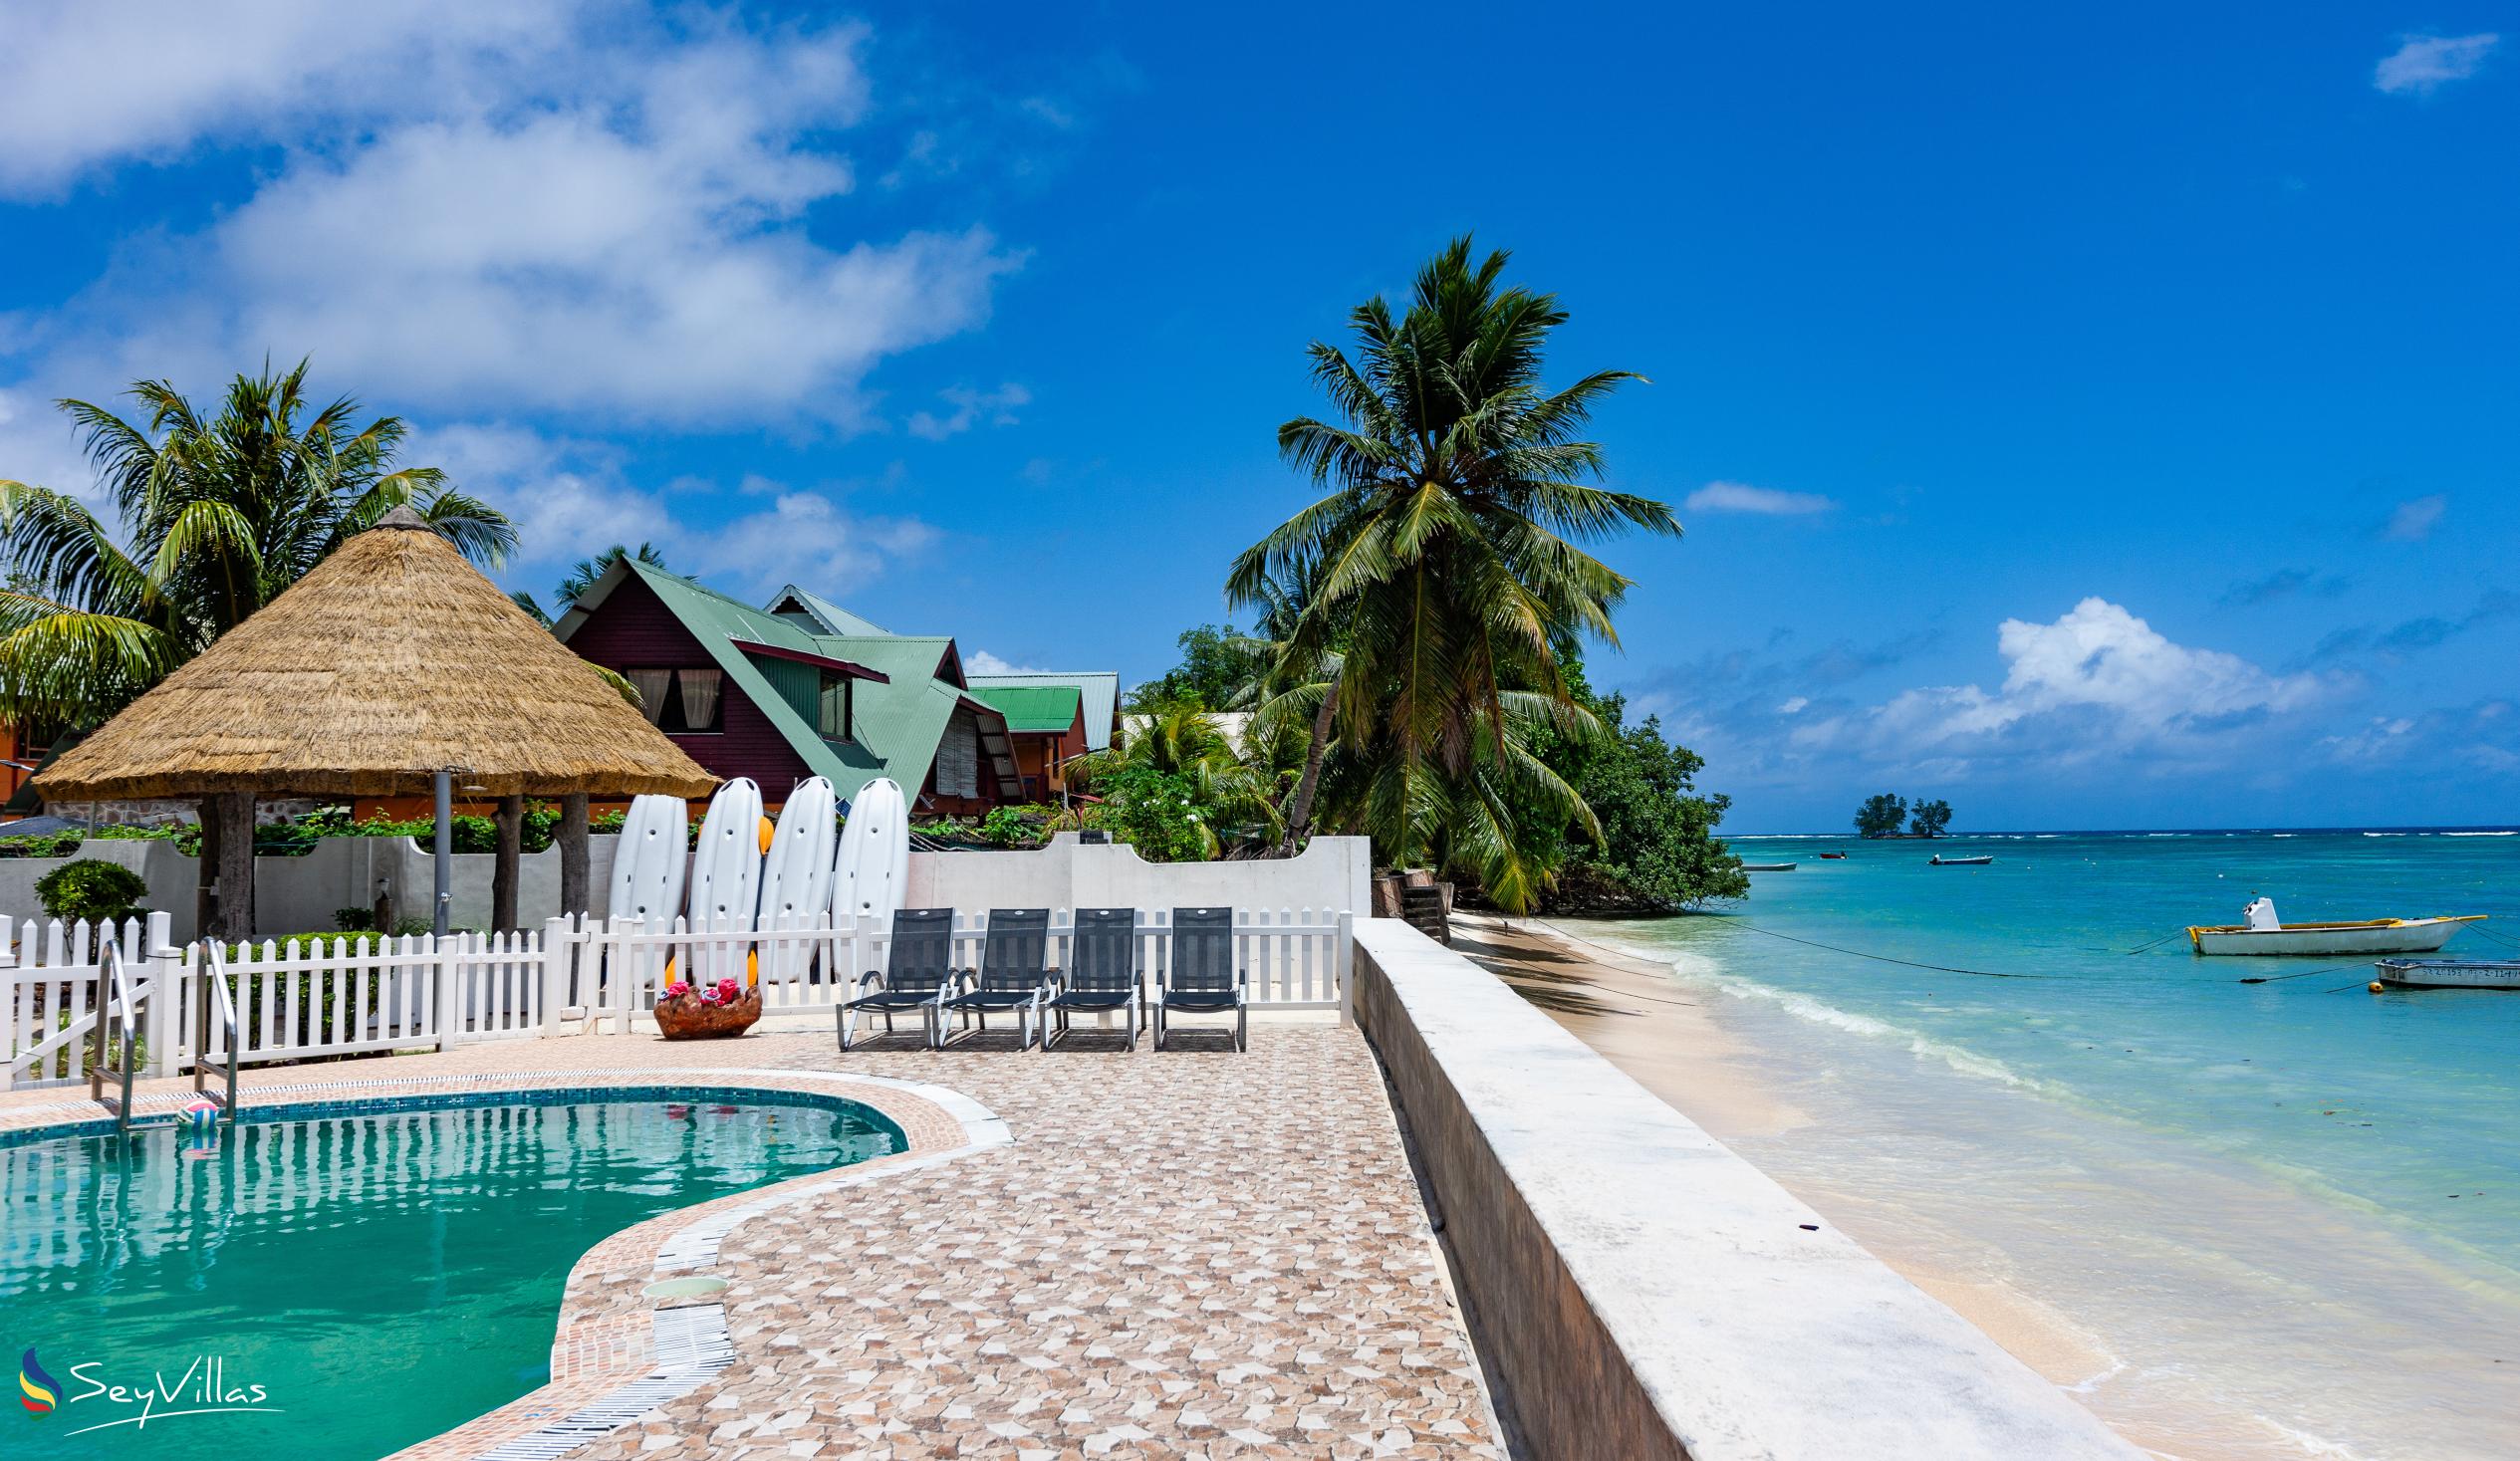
(684, 1017)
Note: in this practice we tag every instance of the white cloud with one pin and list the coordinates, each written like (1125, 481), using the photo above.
(2096, 680)
(981, 662)
(618, 231)
(804, 538)
(2423, 63)
(970, 408)
(1795, 705)
(1740, 497)
(572, 498)
(84, 86)
(569, 499)
(2413, 520)
(38, 444)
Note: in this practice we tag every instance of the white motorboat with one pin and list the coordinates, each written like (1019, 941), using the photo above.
(1767, 867)
(2450, 973)
(1981, 860)
(2265, 933)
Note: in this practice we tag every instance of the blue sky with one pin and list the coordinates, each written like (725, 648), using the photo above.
(2093, 418)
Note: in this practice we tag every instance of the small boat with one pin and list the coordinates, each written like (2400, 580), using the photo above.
(1832, 857)
(2450, 973)
(1940, 860)
(2264, 933)
(1767, 867)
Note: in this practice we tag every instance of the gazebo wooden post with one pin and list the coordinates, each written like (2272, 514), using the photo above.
(511, 822)
(573, 854)
(236, 866)
(205, 877)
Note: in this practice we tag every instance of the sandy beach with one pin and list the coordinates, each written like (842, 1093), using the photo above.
(1628, 1011)
(1655, 1028)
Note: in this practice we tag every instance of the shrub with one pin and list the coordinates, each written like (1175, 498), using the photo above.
(92, 889)
(1012, 827)
(1153, 811)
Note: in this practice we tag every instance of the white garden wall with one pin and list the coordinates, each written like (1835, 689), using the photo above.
(1332, 874)
(299, 894)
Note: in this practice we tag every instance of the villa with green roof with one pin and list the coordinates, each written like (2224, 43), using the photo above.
(803, 687)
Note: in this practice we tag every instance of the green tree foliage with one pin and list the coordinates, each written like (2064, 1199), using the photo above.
(219, 514)
(1881, 815)
(1442, 574)
(1657, 850)
(1191, 753)
(1156, 813)
(1215, 673)
(1931, 818)
(92, 888)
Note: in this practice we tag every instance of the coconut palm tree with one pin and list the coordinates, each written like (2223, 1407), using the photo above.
(582, 576)
(219, 514)
(1443, 566)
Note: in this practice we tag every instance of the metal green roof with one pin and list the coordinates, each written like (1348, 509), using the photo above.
(1050, 709)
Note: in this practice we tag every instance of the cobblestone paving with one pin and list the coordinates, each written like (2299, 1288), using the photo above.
(1192, 1254)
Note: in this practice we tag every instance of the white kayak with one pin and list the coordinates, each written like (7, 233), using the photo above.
(725, 884)
(2264, 933)
(2451, 973)
(650, 862)
(796, 877)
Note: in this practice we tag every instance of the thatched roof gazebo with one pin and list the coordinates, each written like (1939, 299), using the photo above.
(393, 661)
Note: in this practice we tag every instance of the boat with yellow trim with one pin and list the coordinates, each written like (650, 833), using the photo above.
(2265, 933)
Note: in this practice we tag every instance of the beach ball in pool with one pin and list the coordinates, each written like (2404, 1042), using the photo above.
(198, 1115)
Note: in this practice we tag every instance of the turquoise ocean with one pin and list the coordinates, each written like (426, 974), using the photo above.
(2277, 1218)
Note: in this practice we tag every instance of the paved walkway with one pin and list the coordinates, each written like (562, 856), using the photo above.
(1196, 1254)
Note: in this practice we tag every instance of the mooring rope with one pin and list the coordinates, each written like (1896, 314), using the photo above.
(1887, 959)
(1736, 923)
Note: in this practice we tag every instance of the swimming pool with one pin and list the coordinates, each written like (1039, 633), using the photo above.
(341, 1281)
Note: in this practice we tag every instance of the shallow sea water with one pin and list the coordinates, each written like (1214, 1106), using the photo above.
(2282, 1219)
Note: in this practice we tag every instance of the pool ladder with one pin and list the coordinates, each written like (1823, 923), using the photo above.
(119, 1017)
(214, 974)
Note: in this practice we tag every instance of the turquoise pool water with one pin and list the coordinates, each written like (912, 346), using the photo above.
(2248, 1196)
(344, 1285)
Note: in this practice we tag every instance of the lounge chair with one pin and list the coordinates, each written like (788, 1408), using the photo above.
(1101, 973)
(1203, 978)
(1014, 970)
(919, 975)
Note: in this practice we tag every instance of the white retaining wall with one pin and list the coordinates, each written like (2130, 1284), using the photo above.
(299, 894)
(1333, 872)
(1645, 1294)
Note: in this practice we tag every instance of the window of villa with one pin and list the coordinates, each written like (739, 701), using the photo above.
(832, 721)
(687, 701)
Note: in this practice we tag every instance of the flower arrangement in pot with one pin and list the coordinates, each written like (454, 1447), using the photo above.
(685, 1011)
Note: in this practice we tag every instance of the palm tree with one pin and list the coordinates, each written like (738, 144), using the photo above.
(582, 576)
(584, 572)
(219, 514)
(1443, 569)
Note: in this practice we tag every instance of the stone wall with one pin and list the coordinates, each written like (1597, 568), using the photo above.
(158, 811)
(1640, 1292)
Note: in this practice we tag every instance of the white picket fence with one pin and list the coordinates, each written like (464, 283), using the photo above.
(356, 995)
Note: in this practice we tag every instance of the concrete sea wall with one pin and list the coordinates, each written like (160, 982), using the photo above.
(1640, 1292)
